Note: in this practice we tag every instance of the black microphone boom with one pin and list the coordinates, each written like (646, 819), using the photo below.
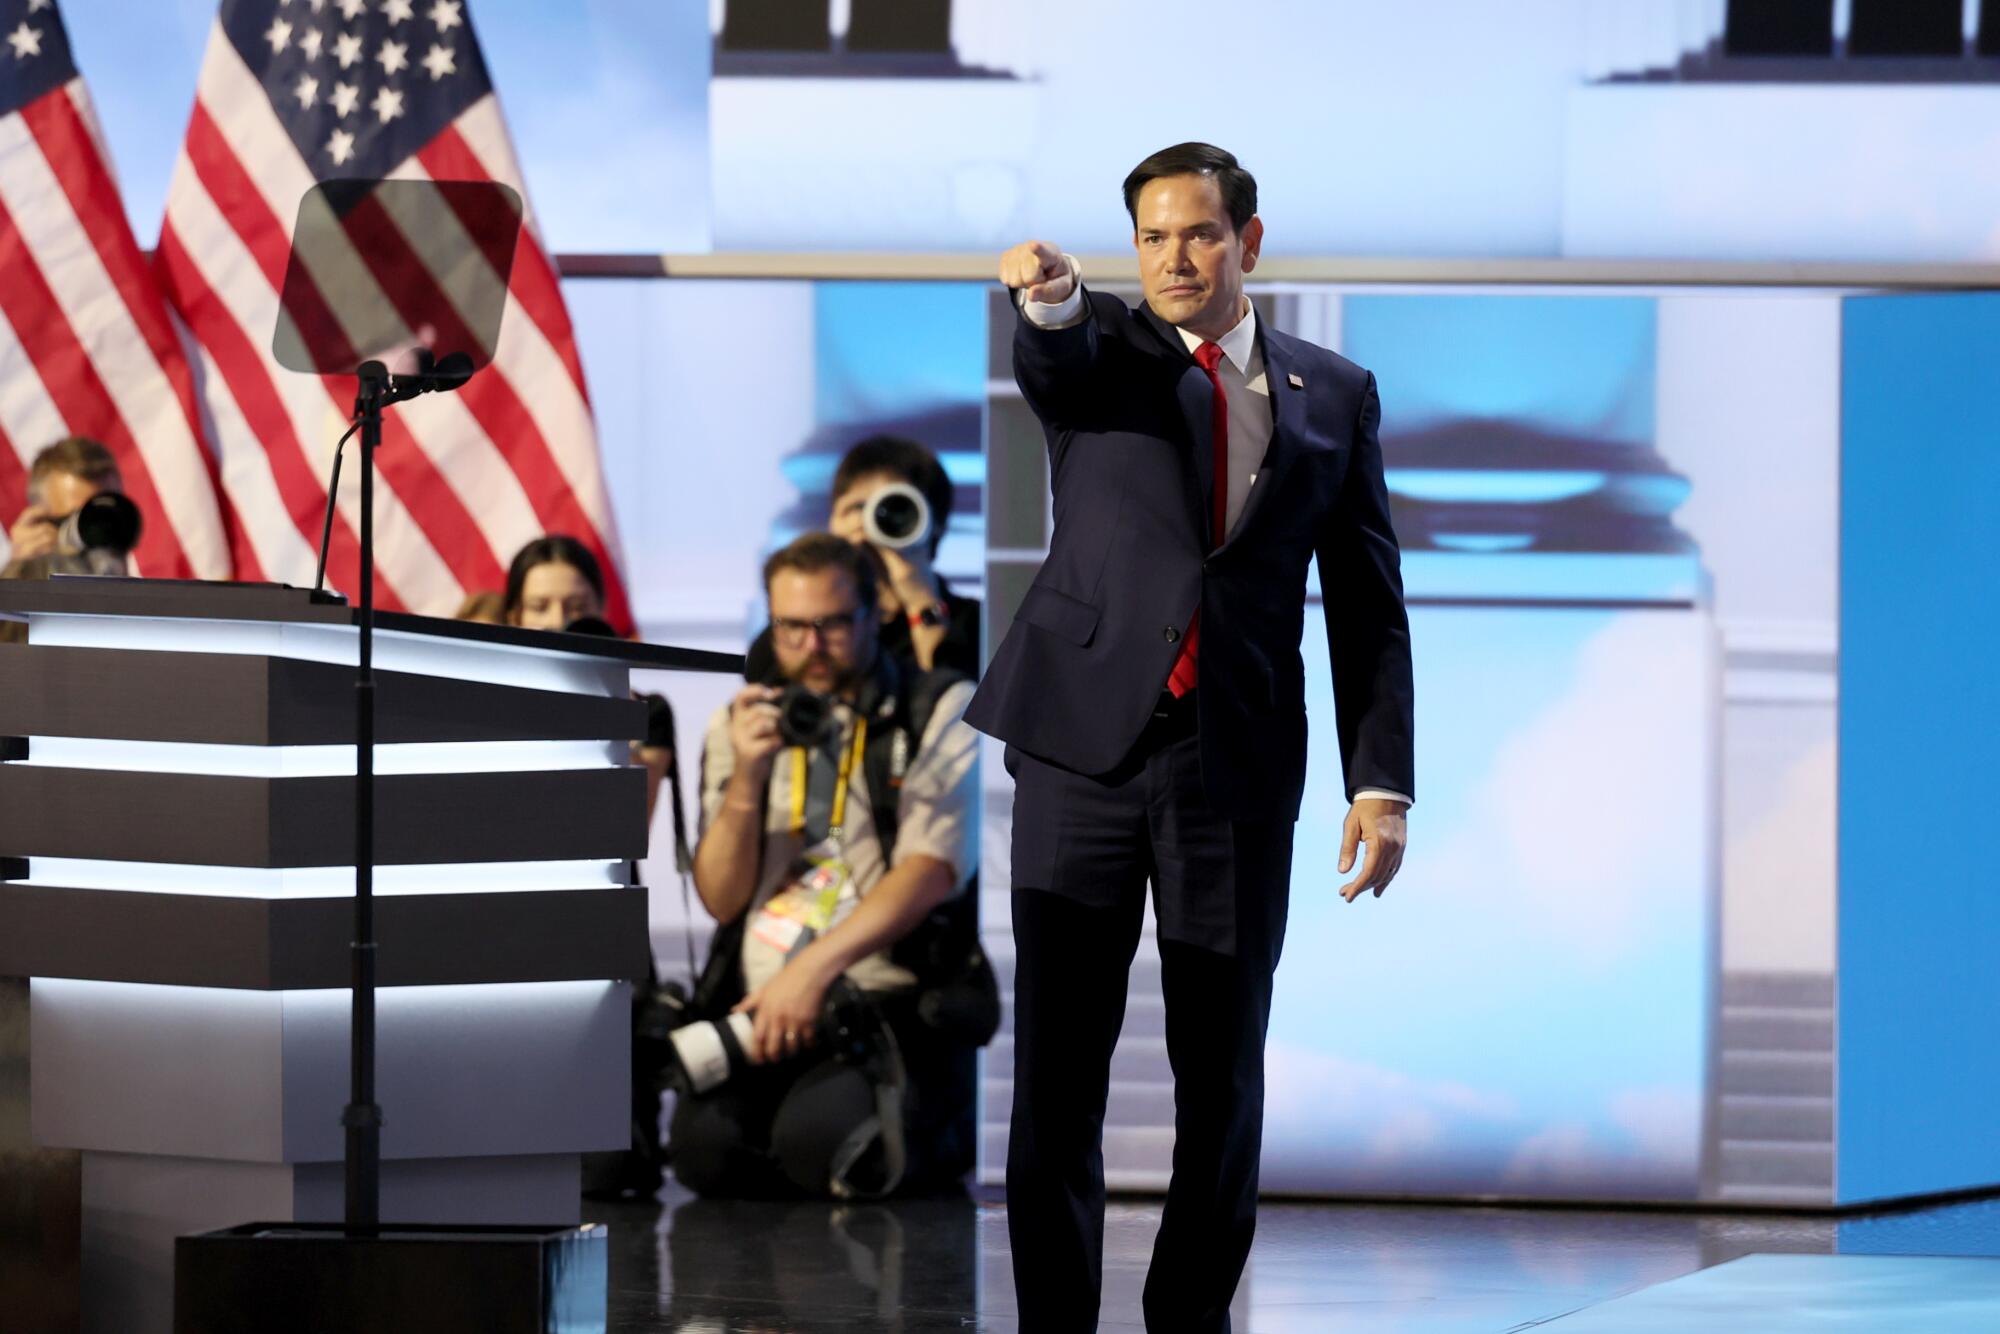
(433, 375)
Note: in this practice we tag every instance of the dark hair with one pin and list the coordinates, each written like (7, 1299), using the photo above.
(903, 459)
(810, 553)
(78, 456)
(1239, 187)
(553, 549)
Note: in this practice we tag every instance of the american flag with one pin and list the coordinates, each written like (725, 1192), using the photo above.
(86, 344)
(298, 91)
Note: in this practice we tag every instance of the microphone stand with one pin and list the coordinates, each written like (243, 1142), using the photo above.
(377, 389)
(362, 1117)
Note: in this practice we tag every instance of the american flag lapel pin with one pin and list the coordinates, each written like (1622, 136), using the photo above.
(1295, 381)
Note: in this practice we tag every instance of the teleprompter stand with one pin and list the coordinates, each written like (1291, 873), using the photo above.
(418, 327)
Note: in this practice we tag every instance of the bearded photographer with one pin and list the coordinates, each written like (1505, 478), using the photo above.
(836, 812)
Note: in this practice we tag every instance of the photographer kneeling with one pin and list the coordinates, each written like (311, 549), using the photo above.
(836, 813)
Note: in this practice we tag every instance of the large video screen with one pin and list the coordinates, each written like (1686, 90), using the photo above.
(1640, 128)
(1606, 970)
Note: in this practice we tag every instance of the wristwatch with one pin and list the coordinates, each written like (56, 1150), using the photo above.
(931, 617)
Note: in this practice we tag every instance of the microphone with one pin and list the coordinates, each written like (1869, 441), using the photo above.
(432, 375)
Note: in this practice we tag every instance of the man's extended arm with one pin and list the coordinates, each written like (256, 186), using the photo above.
(1056, 340)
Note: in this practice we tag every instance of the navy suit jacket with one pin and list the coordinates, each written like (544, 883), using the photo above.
(1127, 414)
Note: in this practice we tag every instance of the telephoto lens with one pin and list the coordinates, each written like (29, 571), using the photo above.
(105, 522)
(896, 516)
(805, 717)
(709, 1052)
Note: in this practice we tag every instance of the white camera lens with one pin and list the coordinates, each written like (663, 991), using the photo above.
(707, 1054)
(896, 516)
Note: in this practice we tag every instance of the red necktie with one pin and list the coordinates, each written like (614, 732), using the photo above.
(1209, 357)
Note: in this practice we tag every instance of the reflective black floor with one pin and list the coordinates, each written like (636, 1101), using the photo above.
(915, 1267)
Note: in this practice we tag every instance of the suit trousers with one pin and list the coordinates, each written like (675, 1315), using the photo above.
(1085, 850)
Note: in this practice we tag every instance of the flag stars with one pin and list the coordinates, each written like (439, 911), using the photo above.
(438, 60)
(395, 57)
(446, 14)
(396, 11)
(346, 97)
(347, 48)
(388, 104)
(26, 41)
(279, 35)
(341, 147)
(306, 90)
(311, 42)
(37, 6)
(351, 9)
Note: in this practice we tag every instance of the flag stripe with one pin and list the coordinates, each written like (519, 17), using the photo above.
(490, 396)
(526, 357)
(533, 280)
(483, 470)
(13, 489)
(72, 152)
(249, 384)
(474, 508)
(312, 414)
(74, 385)
(499, 409)
(448, 528)
(532, 349)
(171, 486)
(26, 410)
(263, 536)
(221, 145)
(406, 282)
(247, 213)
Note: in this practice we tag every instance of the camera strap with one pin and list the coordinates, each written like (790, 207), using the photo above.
(801, 781)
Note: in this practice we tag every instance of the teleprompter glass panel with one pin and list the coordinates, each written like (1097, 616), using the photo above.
(392, 271)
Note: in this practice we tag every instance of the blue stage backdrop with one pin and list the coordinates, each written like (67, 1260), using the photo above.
(1920, 711)
(1609, 969)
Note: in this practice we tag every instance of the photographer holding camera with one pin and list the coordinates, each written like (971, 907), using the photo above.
(892, 498)
(78, 519)
(836, 812)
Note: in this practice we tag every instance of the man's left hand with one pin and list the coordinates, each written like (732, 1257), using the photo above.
(1378, 823)
(784, 1010)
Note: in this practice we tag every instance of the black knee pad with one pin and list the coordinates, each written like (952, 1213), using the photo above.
(820, 1129)
(702, 1143)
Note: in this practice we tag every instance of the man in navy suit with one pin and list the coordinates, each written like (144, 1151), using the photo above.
(1152, 696)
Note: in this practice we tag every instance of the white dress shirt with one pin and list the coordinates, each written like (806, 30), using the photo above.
(1241, 371)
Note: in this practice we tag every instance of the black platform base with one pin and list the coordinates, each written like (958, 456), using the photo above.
(311, 1278)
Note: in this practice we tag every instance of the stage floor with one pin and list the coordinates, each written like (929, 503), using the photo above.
(926, 1266)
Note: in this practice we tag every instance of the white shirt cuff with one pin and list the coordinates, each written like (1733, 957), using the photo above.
(1383, 793)
(1063, 314)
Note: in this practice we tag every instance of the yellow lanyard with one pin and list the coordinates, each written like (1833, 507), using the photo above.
(849, 758)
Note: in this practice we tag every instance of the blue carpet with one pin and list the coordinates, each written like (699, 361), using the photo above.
(1779, 1294)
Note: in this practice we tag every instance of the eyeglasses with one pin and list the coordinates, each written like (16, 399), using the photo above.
(835, 629)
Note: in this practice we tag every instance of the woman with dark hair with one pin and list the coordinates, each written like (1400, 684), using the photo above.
(553, 584)
(553, 581)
